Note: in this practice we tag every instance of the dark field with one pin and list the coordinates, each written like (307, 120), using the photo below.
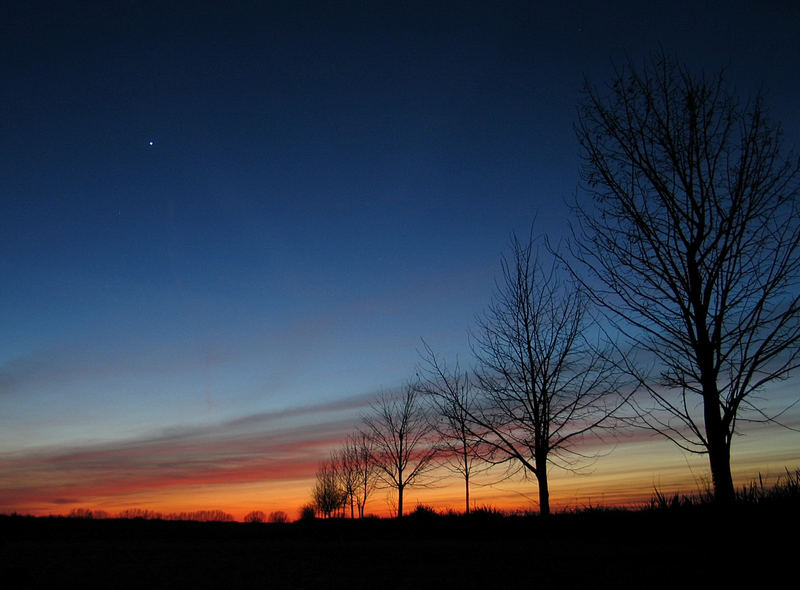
(682, 548)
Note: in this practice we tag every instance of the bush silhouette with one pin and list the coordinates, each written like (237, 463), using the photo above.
(308, 512)
(278, 516)
(255, 516)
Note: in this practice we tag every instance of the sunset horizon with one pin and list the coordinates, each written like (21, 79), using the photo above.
(227, 229)
(236, 468)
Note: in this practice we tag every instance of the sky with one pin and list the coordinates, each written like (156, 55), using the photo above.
(226, 227)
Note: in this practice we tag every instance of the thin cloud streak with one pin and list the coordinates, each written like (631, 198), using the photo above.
(276, 446)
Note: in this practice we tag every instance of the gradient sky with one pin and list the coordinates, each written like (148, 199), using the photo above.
(193, 324)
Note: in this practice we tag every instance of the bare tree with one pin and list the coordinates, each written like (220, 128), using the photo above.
(402, 452)
(543, 386)
(255, 516)
(345, 467)
(278, 517)
(355, 471)
(360, 449)
(454, 401)
(327, 494)
(691, 242)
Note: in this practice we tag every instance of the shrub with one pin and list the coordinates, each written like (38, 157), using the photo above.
(422, 511)
(278, 516)
(202, 516)
(140, 513)
(486, 511)
(255, 516)
(80, 513)
(308, 512)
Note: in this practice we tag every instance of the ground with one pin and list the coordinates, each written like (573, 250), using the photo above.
(598, 549)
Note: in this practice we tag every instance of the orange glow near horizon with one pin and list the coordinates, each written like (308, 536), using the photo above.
(625, 477)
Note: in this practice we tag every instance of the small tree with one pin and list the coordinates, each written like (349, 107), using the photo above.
(278, 517)
(81, 513)
(402, 450)
(692, 246)
(328, 496)
(255, 516)
(367, 473)
(345, 466)
(355, 470)
(308, 512)
(140, 513)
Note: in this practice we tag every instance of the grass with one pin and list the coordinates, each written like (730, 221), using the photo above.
(785, 491)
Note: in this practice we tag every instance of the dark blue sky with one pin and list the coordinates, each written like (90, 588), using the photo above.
(329, 182)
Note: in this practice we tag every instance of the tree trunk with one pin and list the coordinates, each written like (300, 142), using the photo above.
(399, 501)
(466, 492)
(719, 452)
(724, 492)
(719, 458)
(544, 491)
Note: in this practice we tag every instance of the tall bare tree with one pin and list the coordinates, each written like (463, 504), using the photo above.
(454, 399)
(543, 385)
(402, 449)
(691, 241)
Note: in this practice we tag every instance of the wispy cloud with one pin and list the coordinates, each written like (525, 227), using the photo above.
(49, 368)
(274, 446)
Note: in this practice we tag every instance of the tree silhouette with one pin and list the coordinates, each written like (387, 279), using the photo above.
(327, 494)
(356, 470)
(454, 400)
(278, 517)
(345, 467)
(401, 450)
(691, 241)
(255, 516)
(541, 384)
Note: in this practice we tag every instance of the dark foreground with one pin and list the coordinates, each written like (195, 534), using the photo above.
(657, 549)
